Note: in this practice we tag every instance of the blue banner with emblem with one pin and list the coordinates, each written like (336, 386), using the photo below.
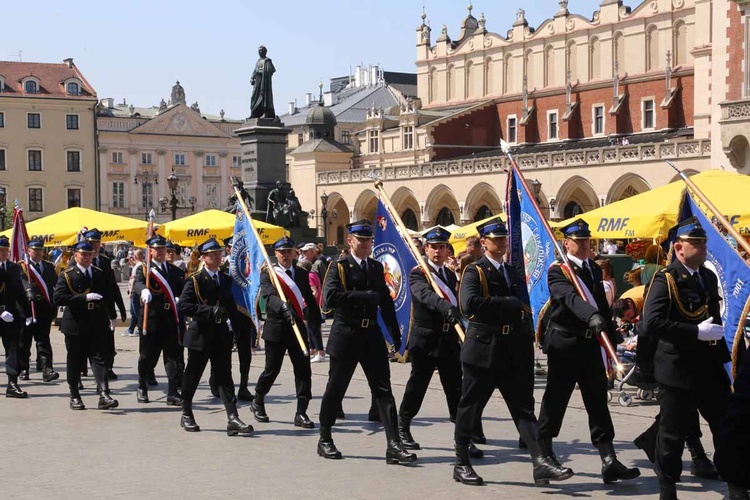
(732, 270)
(398, 261)
(531, 250)
(245, 262)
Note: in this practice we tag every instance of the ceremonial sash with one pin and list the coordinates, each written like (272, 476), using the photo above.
(292, 291)
(39, 281)
(590, 300)
(168, 293)
(447, 293)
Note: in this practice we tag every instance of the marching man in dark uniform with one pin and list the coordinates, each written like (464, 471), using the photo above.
(12, 306)
(94, 237)
(163, 323)
(498, 353)
(279, 335)
(355, 287)
(682, 313)
(207, 299)
(574, 354)
(433, 342)
(39, 279)
(84, 290)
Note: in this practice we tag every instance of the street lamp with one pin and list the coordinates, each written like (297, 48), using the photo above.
(324, 215)
(173, 181)
(3, 209)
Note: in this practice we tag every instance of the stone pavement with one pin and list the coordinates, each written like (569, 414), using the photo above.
(140, 451)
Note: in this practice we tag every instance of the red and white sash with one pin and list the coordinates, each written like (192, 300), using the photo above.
(168, 293)
(446, 291)
(292, 291)
(34, 274)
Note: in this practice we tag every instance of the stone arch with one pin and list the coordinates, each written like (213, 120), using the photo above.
(549, 66)
(595, 56)
(508, 85)
(528, 69)
(450, 82)
(336, 223)
(618, 51)
(431, 84)
(679, 43)
(365, 206)
(688, 171)
(571, 55)
(471, 74)
(482, 194)
(653, 54)
(440, 197)
(579, 191)
(488, 77)
(626, 186)
(403, 199)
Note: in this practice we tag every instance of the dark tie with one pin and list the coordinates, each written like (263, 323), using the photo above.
(699, 280)
(3, 266)
(164, 270)
(289, 273)
(441, 273)
(588, 275)
(217, 279)
(363, 265)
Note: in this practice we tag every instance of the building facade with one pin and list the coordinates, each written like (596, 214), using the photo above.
(140, 147)
(48, 158)
(593, 105)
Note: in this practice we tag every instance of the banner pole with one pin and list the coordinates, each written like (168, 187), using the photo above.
(149, 235)
(271, 270)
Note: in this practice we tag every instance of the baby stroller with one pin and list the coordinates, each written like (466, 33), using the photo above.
(632, 375)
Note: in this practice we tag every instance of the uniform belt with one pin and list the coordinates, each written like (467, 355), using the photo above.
(92, 305)
(588, 333)
(167, 306)
(358, 323)
(494, 329)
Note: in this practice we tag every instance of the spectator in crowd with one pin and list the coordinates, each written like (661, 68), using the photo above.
(418, 243)
(655, 260)
(314, 334)
(193, 266)
(320, 265)
(344, 252)
(608, 280)
(62, 264)
(610, 247)
(174, 256)
(474, 248)
(134, 330)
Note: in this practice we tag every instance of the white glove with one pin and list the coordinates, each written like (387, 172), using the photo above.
(6, 316)
(112, 324)
(29, 321)
(93, 296)
(176, 300)
(146, 296)
(707, 331)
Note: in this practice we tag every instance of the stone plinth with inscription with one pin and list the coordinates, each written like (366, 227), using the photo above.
(263, 159)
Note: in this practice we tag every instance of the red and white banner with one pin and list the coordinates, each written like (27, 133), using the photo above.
(447, 292)
(34, 275)
(292, 292)
(20, 238)
(168, 293)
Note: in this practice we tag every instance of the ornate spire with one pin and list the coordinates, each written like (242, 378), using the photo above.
(482, 23)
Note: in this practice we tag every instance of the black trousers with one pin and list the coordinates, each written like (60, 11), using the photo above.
(563, 372)
(81, 347)
(711, 399)
(422, 369)
(108, 347)
(150, 347)
(244, 337)
(300, 363)
(11, 335)
(38, 332)
(513, 375)
(220, 357)
(378, 372)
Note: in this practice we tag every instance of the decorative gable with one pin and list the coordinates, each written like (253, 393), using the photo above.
(180, 120)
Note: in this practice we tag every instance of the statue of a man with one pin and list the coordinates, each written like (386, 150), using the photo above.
(262, 100)
(276, 201)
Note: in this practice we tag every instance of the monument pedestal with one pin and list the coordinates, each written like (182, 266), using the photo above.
(263, 160)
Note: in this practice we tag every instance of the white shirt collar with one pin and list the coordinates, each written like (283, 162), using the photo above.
(690, 269)
(83, 269)
(358, 260)
(435, 267)
(494, 262)
(578, 262)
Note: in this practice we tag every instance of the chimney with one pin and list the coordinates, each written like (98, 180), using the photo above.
(108, 102)
(291, 107)
(358, 76)
(69, 62)
(308, 98)
(375, 75)
(328, 98)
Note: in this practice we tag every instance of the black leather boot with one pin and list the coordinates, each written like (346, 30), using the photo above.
(48, 374)
(141, 392)
(463, 471)
(475, 452)
(612, 469)
(667, 491)
(373, 415)
(404, 434)
(174, 400)
(545, 470)
(187, 422)
(258, 408)
(300, 418)
(13, 391)
(701, 465)
(737, 492)
(397, 454)
(76, 403)
(244, 394)
(111, 375)
(24, 375)
(647, 441)
(107, 402)
(236, 426)
(326, 448)
(151, 380)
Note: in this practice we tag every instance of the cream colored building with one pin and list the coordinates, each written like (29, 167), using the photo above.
(140, 147)
(594, 104)
(47, 141)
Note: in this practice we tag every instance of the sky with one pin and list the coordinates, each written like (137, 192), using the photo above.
(136, 49)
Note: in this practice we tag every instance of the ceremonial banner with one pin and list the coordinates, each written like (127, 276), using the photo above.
(391, 251)
(531, 249)
(19, 238)
(244, 267)
(729, 266)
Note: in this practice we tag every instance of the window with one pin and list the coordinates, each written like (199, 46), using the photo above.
(31, 88)
(648, 114)
(552, 125)
(235, 161)
(210, 160)
(2, 120)
(74, 198)
(374, 136)
(35, 200)
(146, 159)
(409, 137)
(71, 122)
(346, 137)
(179, 159)
(35, 160)
(34, 120)
(73, 88)
(147, 198)
(74, 161)
(512, 127)
(598, 124)
(300, 139)
(118, 195)
(2, 159)
(117, 157)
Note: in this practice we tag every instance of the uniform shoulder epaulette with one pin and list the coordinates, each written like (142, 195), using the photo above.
(99, 268)
(68, 270)
(48, 262)
(224, 273)
(194, 273)
(342, 259)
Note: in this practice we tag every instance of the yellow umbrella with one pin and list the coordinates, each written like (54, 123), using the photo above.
(63, 227)
(651, 214)
(461, 234)
(197, 228)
